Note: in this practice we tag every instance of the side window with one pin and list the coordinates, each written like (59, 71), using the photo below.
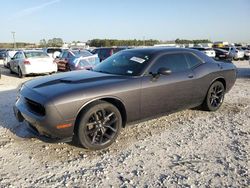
(21, 56)
(94, 51)
(16, 56)
(192, 60)
(105, 53)
(65, 54)
(70, 55)
(174, 62)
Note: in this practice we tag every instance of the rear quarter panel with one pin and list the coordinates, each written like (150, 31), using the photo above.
(207, 73)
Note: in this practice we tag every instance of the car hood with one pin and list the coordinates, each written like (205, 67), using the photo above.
(63, 83)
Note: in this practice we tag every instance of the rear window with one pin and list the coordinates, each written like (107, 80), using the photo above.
(82, 53)
(106, 52)
(32, 54)
(192, 60)
(53, 50)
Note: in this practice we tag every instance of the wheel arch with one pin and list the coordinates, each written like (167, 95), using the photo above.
(222, 80)
(110, 99)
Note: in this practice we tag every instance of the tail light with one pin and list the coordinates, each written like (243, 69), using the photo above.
(111, 52)
(26, 62)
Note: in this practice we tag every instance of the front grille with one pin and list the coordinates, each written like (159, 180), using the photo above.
(35, 107)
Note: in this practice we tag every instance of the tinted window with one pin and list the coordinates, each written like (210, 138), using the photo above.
(52, 50)
(16, 55)
(106, 52)
(82, 53)
(95, 51)
(174, 62)
(64, 54)
(193, 60)
(31, 54)
(70, 55)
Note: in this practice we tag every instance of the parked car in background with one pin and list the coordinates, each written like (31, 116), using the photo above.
(76, 60)
(104, 53)
(246, 52)
(2, 54)
(235, 53)
(53, 52)
(27, 62)
(8, 55)
(132, 85)
(208, 51)
(222, 54)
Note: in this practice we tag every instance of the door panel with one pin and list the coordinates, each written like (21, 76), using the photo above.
(166, 94)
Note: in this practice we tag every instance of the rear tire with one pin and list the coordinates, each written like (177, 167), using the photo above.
(99, 125)
(11, 71)
(215, 97)
(20, 74)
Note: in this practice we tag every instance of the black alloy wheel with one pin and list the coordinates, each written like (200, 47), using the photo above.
(99, 126)
(215, 96)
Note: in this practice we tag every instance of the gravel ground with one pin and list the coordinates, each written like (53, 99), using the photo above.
(186, 149)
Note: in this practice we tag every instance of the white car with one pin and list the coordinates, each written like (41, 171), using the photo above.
(235, 53)
(246, 52)
(208, 51)
(7, 59)
(32, 62)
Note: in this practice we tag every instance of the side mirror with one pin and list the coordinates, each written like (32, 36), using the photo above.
(164, 71)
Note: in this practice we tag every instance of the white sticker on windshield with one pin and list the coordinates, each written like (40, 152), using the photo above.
(137, 59)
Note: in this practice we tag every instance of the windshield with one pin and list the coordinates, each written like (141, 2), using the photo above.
(39, 54)
(124, 63)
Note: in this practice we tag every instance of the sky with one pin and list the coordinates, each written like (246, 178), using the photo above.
(73, 20)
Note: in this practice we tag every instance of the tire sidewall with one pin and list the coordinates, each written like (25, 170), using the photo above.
(20, 74)
(210, 107)
(83, 140)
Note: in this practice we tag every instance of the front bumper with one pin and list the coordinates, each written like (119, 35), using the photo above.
(45, 127)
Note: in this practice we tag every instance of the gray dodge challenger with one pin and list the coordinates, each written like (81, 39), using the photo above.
(132, 85)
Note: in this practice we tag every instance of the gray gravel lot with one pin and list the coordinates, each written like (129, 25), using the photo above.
(191, 148)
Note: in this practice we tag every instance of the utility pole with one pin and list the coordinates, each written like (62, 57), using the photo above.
(14, 39)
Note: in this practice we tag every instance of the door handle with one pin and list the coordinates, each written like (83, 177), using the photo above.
(190, 76)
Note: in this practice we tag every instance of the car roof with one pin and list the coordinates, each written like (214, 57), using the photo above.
(30, 51)
(158, 50)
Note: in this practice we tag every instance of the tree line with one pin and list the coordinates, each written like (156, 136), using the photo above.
(55, 42)
(185, 41)
(58, 42)
(116, 42)
(18, 45)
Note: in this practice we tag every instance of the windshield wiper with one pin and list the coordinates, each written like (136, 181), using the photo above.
(102, 71)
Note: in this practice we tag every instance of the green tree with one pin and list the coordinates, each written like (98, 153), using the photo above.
(42, 43)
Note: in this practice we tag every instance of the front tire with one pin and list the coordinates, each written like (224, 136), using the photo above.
(215, 97)
(99, 125)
